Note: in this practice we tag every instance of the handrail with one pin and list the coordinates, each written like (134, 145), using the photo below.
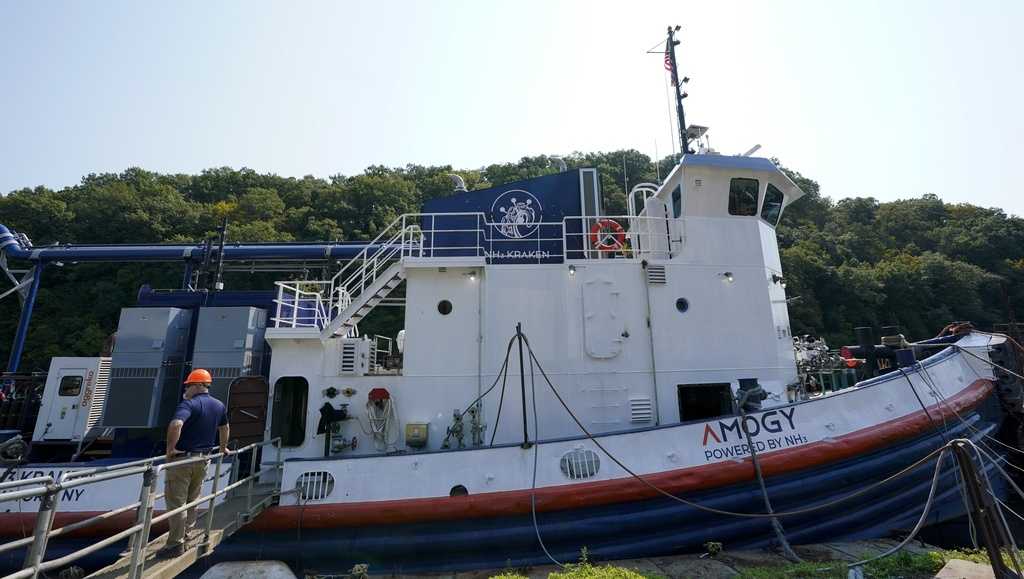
(465, 234)
(139, 532)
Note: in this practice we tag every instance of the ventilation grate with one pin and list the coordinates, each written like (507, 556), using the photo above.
(99, 394)
(315, 485)
(348, 358)
(656, 275)
(135, 372)
(225, 372)
(640, 409)
(580, 463)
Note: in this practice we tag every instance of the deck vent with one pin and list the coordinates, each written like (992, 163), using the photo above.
(129, 372)
(656, 275)
(314, 485)
(349, 353)
(99, 394)
(225, 372)
(580, 463)
(640, 409)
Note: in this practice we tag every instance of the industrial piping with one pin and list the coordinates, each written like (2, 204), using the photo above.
(15, 246)
(18, 246)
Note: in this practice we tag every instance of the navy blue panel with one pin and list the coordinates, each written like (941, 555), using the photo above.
(526, 216)
(729, 162)
(185, 299)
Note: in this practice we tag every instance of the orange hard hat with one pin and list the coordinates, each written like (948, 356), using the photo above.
(198, 376)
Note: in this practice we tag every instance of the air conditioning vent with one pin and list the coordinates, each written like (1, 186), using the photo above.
(580, 463)
(349, 355)
(315, 485)
(656, 275)
(640, 410)
(99, 394)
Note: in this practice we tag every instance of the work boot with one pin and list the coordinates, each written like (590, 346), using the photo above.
(171, 551)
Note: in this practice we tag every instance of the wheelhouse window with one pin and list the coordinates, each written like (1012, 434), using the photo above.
(70, 386)
(677, 201)
(743, 196)
(772, 205)
(289, 421)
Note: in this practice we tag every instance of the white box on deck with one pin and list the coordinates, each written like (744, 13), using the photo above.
(73, 398)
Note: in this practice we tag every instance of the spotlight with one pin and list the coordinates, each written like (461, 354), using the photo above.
(572, 270)
(727, 276)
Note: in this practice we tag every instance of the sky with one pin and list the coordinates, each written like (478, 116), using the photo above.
(886, 99)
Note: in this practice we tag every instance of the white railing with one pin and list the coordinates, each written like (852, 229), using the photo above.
(402, 238)
(305, 304)
(314, 304)
(47, 490)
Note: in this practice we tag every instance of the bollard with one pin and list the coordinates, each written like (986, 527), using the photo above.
(143, 515)
(44, 522)
(213, 501)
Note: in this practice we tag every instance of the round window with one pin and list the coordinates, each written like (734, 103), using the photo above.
(682, 305)
(444, 307)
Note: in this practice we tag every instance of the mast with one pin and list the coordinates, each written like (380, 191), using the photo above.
(670, 63)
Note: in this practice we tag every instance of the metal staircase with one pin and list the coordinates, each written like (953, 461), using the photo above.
(371, 276)
(368, 298)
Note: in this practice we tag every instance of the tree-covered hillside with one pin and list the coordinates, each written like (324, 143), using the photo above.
(918, 263)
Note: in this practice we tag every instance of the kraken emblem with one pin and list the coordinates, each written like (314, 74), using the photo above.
(517, 213)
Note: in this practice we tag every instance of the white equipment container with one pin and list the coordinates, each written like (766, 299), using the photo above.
(73, 398)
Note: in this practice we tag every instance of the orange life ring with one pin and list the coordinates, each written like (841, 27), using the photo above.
(607, 235)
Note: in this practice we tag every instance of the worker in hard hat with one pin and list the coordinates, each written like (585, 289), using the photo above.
(199, 428)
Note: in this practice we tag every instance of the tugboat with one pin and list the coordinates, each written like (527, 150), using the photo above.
(563, 379)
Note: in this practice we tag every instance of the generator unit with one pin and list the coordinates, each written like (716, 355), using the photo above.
(147, 367)
(229, 343)
(73, 398)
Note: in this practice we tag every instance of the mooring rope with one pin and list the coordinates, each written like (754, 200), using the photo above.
(940, 452)
(667, 494)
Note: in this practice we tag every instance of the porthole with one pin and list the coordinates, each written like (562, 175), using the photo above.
(444, 307)
(580, 463)
(682, 305)
(458, 491)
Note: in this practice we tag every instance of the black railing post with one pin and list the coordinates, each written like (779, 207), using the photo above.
(522, 385)
(983, 511)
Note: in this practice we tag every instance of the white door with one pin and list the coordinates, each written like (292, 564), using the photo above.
(64, 408)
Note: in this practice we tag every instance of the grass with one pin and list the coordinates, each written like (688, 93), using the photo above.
(903, 565)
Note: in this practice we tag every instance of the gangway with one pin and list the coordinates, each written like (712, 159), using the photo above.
(247, 493)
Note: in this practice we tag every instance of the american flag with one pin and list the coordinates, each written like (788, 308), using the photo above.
(668, 62)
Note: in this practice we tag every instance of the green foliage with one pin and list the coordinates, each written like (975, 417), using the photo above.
(918, 263)
(903, 564)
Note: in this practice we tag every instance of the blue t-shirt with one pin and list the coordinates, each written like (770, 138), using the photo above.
(202, 414)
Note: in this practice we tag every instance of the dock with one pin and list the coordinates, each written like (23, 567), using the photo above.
(228, 517)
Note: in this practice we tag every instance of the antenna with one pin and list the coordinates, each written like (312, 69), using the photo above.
(751, 151)
(218, 283)
(670, 63)
(625, 177)
(657, 162)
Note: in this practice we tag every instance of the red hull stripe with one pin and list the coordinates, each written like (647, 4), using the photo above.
(579, 495)
(571, 496)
